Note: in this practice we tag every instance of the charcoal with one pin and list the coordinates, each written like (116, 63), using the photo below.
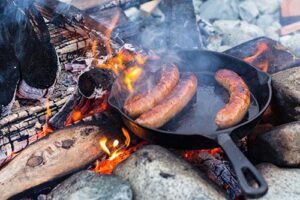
(95, 81)
(31, 40)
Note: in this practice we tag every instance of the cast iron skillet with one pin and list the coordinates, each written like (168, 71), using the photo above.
(195, 127)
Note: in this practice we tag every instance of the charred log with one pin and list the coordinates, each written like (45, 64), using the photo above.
(275, 57)
(95, 82)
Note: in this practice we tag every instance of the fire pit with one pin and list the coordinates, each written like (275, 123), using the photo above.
(74, 145)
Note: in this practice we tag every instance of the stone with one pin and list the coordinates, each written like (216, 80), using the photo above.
(272, 31)
(292, 42)
(280, 146)
(89, 185)
(236, 32)
(248, 10)
(219, 9)
(283, 183)
(286, 86)
(265, 20)
(156, 173)
(268, 6)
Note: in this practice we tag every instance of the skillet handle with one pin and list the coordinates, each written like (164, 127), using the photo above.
(246, 173)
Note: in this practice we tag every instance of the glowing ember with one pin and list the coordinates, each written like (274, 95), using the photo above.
(115, 157)
(116, 143)
(260, 49)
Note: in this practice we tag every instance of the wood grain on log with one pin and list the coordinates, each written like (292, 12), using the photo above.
(59, 154)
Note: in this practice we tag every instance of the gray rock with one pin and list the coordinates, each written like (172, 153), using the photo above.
(156, 173)
(265, 20)
(280, 146)
(268, 6)
(248, 10)
(283, 183)
(219, 9)
(236, 32)
(89, 185)
(272, 31)
(292, 42)
(286, 86)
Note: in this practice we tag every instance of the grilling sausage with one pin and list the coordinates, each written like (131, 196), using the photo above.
(172, 105)
(239, 102)
(139, 104)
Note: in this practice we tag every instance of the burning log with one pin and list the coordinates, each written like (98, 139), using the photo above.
(56, 156)
(58, 120)
(217, 169)
(266, 54)
(76, 21)
(95, 82)
(31, 113)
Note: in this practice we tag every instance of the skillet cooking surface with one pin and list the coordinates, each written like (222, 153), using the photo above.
(201, 111)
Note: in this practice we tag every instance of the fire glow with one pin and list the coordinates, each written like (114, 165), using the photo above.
(260, 49)
(116, 154)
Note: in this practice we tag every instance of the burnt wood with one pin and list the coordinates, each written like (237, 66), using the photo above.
(57, 155)
(278, 57)
(94, 82)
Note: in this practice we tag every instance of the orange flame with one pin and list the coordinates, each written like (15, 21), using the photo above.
(131, 76)
(260, 49)
(119, 155)
(108, 33)
(48, 110)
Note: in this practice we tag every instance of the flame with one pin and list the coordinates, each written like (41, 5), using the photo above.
(116, 143)
(131, 76)
(127, 136)
(103, 146)
(117, 156)
(108, 33)
(94, 48)
(48, 110)
(260, 49)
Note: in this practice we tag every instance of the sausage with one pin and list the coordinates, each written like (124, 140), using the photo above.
(172, 105)
(141, 103)
(234, 111)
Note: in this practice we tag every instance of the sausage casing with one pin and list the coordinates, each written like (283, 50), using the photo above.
(172, 105)
(141, 103)
(234, 111)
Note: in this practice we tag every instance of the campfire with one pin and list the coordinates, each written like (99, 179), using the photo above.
(67, 126)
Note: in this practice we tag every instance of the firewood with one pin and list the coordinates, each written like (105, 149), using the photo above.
(25, 114)
(95, 82)
(57, 155)
(149, 7)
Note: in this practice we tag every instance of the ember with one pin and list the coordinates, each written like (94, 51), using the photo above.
(260, 49)
(116, 155)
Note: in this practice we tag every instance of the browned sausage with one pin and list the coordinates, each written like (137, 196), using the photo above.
(239, 102)
(142, 103)
(173, 104)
